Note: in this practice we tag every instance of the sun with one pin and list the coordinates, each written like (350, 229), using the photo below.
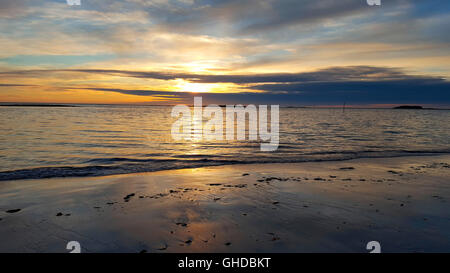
(194, 87)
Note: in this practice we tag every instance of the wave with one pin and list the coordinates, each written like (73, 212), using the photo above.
(123, 165)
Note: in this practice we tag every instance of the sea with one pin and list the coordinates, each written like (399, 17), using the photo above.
(98, 140)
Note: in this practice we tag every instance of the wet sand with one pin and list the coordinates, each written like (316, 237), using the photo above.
(303, 207)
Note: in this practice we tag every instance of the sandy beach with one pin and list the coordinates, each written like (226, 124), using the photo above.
(303, 207)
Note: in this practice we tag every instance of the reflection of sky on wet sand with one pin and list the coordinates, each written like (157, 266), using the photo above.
(201, 210)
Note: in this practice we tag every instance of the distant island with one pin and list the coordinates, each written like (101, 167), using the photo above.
(38, 105)
(409, 107)
(416, 107)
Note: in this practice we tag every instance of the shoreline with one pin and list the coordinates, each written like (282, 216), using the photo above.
(196, 164)
(328, 206)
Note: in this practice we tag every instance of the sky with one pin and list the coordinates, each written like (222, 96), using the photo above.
(287, 52)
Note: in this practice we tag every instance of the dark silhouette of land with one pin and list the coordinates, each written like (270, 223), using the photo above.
(38, 105)
(409, 107)
(416, 107)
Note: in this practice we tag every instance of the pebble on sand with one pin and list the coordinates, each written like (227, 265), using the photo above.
(127, 198)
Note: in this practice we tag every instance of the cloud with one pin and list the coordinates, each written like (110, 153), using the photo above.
(356, 93)
(10, 9)
(334, 85)
(331, 74)
(267, 46)
(13, 85)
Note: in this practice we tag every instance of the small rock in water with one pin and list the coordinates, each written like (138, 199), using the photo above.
(67, 214)
(59, 214)
(275, 203)
(347, 168)
(227, 243)
(13, 210)
(188, 242)
(245, 174)
(181, 224)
